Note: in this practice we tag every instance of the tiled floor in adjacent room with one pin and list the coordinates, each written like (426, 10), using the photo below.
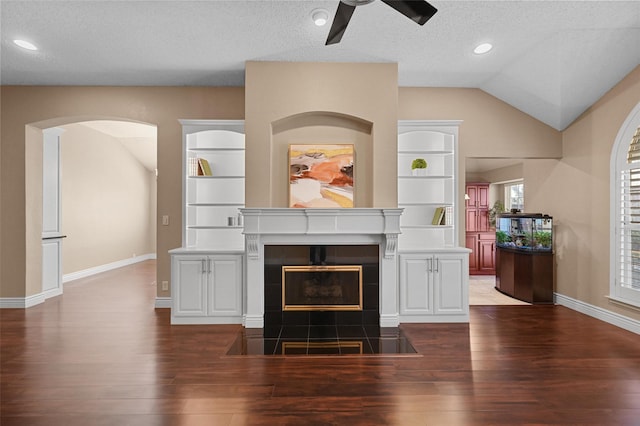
(322, 340)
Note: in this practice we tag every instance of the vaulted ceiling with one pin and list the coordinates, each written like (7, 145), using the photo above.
(551, 59)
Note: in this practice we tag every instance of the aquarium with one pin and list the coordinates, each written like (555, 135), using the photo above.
(533, 232)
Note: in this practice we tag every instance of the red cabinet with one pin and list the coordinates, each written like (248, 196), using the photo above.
(483, 251)
(477, 207)
(480, 238)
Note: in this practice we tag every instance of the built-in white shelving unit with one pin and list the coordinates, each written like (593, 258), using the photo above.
(433, 270)
(420, 196)
(211, 203)
(207, 271)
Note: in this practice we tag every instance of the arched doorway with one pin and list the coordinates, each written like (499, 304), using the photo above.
(107, 196)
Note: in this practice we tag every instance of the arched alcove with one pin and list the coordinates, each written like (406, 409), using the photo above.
(322, 127)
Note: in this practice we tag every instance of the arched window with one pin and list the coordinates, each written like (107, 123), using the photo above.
(625, 212)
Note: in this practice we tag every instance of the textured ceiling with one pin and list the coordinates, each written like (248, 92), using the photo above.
(551, 59)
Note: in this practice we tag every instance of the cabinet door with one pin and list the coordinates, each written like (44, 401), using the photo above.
(225, 285)
(472, 219)
(482, 220)
(486, 255)
(472, 192)
(415, 285)
(451, 294)
(482, 196)
(189, 286)
(472, 244)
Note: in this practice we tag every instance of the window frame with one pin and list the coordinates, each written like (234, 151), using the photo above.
(618, 292)
(507, 193)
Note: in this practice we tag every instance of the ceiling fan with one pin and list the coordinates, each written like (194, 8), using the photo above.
(417, 10)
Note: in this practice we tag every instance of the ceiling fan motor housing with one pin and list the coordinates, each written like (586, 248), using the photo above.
(356, 2)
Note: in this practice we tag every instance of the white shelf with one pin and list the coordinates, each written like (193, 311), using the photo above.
(425, 177)
(209, 201)
(426, 226)
(215, 204)
(215, 177)
(425, 151)
(214, 149)
(420, 196)
(214, 227)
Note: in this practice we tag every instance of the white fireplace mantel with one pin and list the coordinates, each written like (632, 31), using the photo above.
(264, 226)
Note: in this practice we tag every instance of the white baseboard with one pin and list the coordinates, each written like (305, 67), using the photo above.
(207, 320)
(251, 321)
(21, 302)
(107, 267)
(389, 320)
(163, 302)
(36, 299)
(599, 313)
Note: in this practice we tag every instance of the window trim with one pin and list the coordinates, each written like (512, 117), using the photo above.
(618, 162)
(506, 187)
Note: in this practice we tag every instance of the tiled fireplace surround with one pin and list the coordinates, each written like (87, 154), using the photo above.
(271, 235)
(277, 256)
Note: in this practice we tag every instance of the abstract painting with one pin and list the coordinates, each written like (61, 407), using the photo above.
(321, 176)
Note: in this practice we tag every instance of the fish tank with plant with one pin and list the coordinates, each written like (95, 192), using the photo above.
(523, 231)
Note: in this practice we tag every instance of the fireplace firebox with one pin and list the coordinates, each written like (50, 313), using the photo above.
(321, 285)
(322, 288)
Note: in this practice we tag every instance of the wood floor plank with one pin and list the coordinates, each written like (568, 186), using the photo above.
(102, 355)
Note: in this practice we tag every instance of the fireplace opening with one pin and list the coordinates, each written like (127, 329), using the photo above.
(322, 288)
(350, 295)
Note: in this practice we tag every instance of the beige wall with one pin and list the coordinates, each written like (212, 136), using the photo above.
(574, 189)
(106, 200)
(152, 220)
(315, 102)
(490, 128)
(44, 107)
(502, 174)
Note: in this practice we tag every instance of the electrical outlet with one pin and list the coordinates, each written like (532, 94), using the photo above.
(165, 219)
(165, 285)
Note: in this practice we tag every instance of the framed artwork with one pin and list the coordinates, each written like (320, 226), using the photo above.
(321, 176)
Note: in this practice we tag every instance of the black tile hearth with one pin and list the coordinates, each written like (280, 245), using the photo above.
(322, 340)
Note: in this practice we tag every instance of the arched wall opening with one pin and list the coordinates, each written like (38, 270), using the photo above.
(322, 127)
(101, 165)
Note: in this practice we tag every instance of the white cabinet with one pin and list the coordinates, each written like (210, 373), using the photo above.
(422, 195)
(206, 288)
(189, 279)
(434, 286)
(211, 202)
(207, 271)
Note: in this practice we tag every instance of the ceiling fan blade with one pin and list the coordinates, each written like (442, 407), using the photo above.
(417, 10)
(340, 22)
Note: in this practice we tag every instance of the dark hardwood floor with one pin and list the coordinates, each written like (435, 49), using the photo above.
(101, 355)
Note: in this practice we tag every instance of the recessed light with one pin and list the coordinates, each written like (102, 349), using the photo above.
(482, 48)
(320, 17)
(25, 44)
